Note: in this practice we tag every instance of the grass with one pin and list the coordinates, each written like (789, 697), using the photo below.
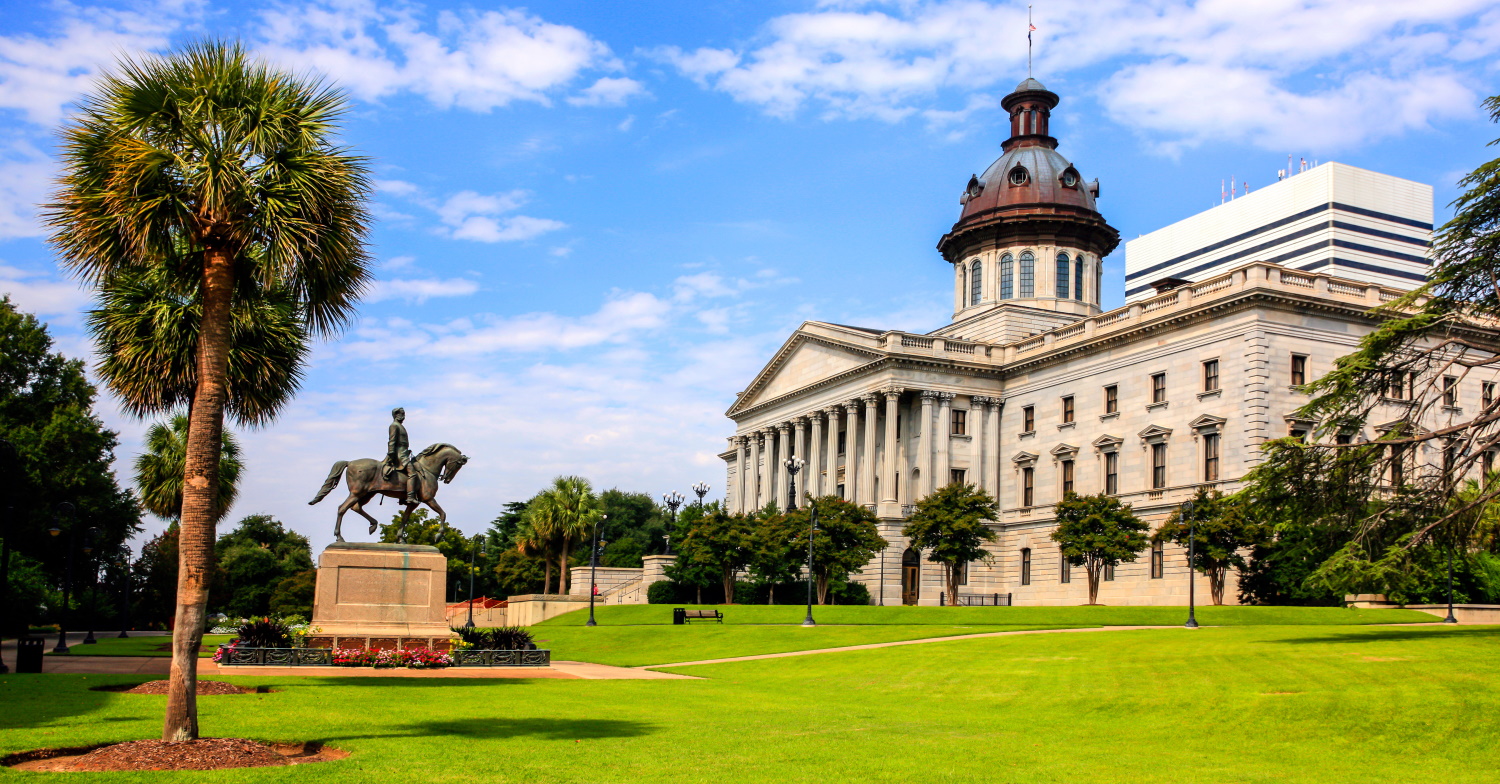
(661, 614)
(1255, 704)
(155, 645)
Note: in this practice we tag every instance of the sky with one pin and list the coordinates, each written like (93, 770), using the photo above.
(595, 222)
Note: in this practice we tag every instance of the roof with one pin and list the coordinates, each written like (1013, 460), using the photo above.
(1028, 84)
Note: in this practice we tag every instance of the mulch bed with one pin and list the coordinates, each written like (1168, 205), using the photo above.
(201, 754)
(204, 687)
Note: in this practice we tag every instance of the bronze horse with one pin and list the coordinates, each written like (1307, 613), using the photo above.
(436, 463)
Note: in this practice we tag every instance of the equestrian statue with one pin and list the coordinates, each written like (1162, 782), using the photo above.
(410, 479)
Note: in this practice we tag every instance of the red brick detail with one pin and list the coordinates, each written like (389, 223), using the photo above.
(384, 643)
(320, 642)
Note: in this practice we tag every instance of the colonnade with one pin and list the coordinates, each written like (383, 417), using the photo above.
(867, 470)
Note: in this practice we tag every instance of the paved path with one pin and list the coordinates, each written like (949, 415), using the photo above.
(923, 641)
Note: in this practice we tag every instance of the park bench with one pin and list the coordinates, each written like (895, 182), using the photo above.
(703, 615)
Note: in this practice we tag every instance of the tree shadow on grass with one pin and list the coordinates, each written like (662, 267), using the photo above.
(1366, 635)
(502, 729)
(358, 681)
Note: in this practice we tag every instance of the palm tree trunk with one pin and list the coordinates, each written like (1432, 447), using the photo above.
(562, 569)
(546, 574)
(195, 553)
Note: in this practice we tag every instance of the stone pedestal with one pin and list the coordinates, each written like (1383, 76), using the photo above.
(381, 596)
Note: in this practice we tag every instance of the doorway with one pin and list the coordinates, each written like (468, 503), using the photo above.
(911, 576)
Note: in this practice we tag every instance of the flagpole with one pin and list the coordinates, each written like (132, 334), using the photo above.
(1029, 28)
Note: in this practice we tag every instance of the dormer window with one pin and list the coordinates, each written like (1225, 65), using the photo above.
(1019, 176)
(1070, 178)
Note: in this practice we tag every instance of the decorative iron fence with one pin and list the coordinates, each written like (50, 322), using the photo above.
(277, 657)
(478, 658)
(977, 600)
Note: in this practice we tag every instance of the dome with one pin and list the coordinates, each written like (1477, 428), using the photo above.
(1028, 84)
(1026, 176)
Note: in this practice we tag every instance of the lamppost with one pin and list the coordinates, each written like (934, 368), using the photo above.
(793, 465)
(93, 565)
(1187, 511)
(701, 489)
(593, 567)
(1450, 618)
(812, 529)
(478, 548)
(64, 509)
(124, 564)
(673, 501)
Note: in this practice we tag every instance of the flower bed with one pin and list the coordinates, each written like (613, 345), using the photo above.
(383, 658)
(234, 655)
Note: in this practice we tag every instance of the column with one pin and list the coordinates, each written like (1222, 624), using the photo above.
(944, 433)
(783, 448)
(925, 450)
(831, 482)
(799, 450)
(867, 455)
(996, 407)
(752, 492)
(851, 452)
(742, 469)
(814, 469)
(889, 505)
(979, 416)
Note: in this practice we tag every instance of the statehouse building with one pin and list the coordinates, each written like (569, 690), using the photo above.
(1032, 390)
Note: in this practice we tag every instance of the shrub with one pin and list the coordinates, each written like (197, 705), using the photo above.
(264, 633)
(419, 659)
(500, 638)
(849, 593)
(662, 592)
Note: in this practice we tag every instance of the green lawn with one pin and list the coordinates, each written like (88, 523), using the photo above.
(1255, 704)
(1001, 616)
(155, 645)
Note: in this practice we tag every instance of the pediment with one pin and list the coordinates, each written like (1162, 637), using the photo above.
(1064, 450)
(1024, 457)
(1207, 422)
(1108, 442)
(803, 361)
(1156, 433)
(1397, 424)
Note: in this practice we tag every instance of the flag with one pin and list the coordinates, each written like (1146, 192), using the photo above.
(1030, 28)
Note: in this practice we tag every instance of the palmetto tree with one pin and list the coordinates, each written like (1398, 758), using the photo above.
(576, 508)
(159, 470)
(540, 533)
(220, 173)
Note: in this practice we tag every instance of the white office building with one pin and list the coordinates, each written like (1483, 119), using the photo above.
(1333, 219)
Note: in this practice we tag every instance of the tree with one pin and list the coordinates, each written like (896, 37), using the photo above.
(160, 469)
(950, 524)
(576, 509)
(721, 542)
(154, 587)
(540, 534)
(1220, 533)
(846, 540)
(63, 450)
(219, 170)
(687, 572)
(1097, 532)
(253, 561)
(772, 558)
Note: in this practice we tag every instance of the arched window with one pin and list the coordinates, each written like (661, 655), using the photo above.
(1028, 275)
(1007, 274)
(1062, 275)
(1078, 278)
(976, 279)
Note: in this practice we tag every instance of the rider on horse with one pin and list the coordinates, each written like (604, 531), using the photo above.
(398, 457)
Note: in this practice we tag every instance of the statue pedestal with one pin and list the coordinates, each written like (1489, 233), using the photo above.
(375, 595)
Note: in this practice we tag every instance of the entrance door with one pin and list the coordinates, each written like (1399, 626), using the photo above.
(911, 576)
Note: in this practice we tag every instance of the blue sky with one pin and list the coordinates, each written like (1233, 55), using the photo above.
(597, 221)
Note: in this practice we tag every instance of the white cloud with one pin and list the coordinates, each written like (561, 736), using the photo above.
(608, 91)
(48, 297)
(420, 290)
(1302, 66)
(479, 217)
(475, 60)
(25, 177)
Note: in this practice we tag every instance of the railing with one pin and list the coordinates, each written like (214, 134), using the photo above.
(977, 600)
(1338, 287)
(908, 509)
(1157, 303)
(961, 348)
(1209, 287)
(909, 341)
(1070, 331)
(1106, 320)
(1293, 279)
(626, 593)
(1029, 344)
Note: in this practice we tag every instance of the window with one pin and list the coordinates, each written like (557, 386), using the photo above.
(1399, 383)
(1210, 457)
(1398, 469)
(1450, 391)
(962, 567)
(976, 279)
(1067, 477)
(1299, 370)
(1018, 176)
(1028, 419)
(1296, 432)
(843, 434)
(1158, 466)
(1487, 464)
(1158, 387)
(1486, 394)
(960, 424)
(1111, 473)
(1067, 409)
(1450, 454)
(1007, 271)
(1112, 399)
(1158, 564)
(1063, 265)
(1027, 478)
(1065, 570)
(1109, 572)
(957, 476)
(1211, 375)
(1026, 566)
(1028, 275)
(1078, 279)
(1343, 438)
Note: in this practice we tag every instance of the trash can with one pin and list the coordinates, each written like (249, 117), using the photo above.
(29, 654)
(679, 616)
